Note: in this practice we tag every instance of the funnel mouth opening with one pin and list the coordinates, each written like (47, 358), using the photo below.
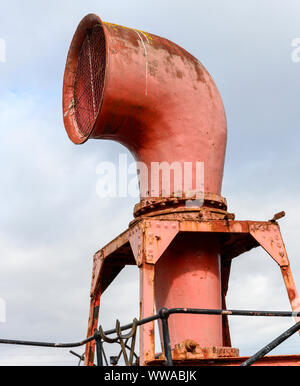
(84, 80)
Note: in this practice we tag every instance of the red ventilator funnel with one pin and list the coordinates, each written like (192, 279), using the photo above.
(156, 99)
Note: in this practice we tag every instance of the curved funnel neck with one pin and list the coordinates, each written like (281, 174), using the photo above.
(153, 97)
(156, 99)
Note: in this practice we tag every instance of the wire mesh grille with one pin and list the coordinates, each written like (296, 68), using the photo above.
(89, 79)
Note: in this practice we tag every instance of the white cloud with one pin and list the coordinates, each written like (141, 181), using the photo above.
(2, 51)
(2, 310)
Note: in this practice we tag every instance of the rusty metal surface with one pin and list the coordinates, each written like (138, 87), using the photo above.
(147, 308)
(110, 261)
(132, 87)
(191, 350)
(280, 360)
(110, 266)
(159, 233)
(144, 243)
(291, 289)
(134, 92)
(269, 237)
(225, 274)
(157, 206)
(92, 327)
(236, 237)
(148, 80)
(89, 80)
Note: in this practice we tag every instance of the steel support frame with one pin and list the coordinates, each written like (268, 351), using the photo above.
(145, 242)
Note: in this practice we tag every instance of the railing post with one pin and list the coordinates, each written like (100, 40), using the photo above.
(99, 350)
(164, 316)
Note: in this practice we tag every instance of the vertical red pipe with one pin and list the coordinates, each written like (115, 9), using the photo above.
(189, 276)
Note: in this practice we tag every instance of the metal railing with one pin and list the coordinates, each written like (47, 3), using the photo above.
(123, 340)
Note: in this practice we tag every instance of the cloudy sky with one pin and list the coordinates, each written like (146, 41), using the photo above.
(51, 219)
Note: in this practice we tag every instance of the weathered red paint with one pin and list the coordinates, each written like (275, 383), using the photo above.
(234, 238)
(147, 307)
(280, 360)
(188, 275)
(159, 101)
(92, 327)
